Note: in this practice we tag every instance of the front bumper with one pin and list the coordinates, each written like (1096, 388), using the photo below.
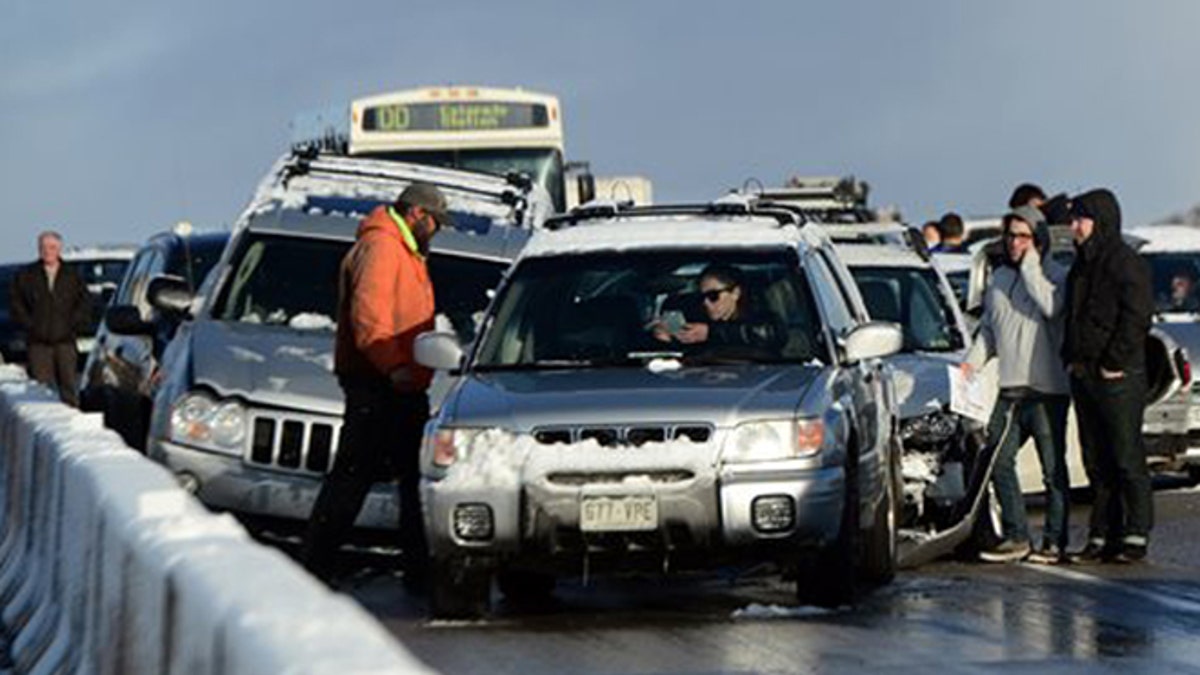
(227, 483)
(698, 510)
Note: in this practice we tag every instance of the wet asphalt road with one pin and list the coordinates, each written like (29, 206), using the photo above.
(952, 616)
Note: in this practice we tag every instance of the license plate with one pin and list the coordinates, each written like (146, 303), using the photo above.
(618, 514)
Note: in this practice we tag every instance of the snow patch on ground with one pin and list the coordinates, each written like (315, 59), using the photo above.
(757, 611)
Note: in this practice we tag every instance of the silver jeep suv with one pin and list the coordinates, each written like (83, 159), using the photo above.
(247, 411)
(664, 388)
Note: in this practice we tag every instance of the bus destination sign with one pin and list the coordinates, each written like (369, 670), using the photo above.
(457, 116)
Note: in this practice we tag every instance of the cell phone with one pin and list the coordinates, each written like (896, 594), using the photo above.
(673, 320)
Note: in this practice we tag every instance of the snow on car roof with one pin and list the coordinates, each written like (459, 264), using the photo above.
(1167, 238)
(100, 252)
(879, 255)
(682, 231)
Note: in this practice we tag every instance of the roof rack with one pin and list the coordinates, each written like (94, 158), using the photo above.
(783, 214)
(303, 157)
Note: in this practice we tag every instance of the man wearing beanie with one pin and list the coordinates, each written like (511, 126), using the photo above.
(1109, 306)
(1022, 328)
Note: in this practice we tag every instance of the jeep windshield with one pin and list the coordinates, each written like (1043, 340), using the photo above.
(1174, 279)
(625, 309)
(910, 297)
(293, 281)
(283, 281)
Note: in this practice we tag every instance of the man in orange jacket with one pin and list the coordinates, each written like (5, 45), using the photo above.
(385, 299)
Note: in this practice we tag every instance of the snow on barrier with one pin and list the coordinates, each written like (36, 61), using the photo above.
(107, 566)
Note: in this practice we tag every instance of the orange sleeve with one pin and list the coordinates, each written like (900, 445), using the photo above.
(372, 311)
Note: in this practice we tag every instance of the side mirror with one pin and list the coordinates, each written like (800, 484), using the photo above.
(587, 187)
(438, 351)
(126, 320)
(170, 294)
(873, 340)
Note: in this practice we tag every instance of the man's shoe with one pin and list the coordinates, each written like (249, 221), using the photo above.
(1130, 553)
(1006, 551)
(1095, 553)
(1048, 554)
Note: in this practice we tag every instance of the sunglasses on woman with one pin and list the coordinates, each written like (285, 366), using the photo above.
(714, 294)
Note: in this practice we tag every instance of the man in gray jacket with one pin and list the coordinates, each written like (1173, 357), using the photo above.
(1022, 327)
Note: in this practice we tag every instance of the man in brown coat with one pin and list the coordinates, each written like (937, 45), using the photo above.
(51, 302)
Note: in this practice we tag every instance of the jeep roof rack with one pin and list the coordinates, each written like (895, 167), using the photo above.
(302, 161)
(730, 205)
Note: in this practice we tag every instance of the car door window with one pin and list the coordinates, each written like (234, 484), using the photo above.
(829, 295)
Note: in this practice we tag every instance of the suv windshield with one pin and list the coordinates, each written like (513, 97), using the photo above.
(283, 281)
(1174, 280)
(624, 308)
(910, 297)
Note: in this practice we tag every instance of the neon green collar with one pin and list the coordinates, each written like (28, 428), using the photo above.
(405, 232)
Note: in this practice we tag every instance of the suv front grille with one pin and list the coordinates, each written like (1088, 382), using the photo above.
(616, 436)
(293, 442)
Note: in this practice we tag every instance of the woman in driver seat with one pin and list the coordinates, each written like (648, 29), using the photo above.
(729, 319)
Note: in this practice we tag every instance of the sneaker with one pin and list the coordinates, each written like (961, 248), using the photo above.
(1048, 554)
(1130, 553)
(1095, 553)
(1006, 551)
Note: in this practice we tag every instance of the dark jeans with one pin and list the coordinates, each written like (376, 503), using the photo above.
(1110, 415)
(380, 441)
(1044, 418)
(54, 365)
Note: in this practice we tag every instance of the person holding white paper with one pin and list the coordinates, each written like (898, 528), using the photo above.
(1022, 326)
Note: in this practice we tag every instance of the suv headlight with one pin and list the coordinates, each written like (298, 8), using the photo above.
(443, 446)
(770, 440)
(934, 427)
(200, 421)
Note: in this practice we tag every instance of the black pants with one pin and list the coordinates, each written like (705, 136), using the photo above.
(380, 441)
(54, 365)
(1109, 413)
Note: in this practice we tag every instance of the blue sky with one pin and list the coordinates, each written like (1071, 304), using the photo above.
(120, 118)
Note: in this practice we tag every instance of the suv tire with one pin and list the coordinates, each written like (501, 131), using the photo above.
(458, 591)
(879, 550)
(833, 580)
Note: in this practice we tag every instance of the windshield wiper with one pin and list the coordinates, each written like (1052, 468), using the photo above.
(555, 364)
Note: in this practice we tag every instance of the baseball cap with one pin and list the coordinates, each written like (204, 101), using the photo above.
(428, 197)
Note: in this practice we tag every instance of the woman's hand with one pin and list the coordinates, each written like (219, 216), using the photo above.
(660, 332)
(693, 333)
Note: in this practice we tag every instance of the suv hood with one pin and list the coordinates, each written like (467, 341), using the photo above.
(718, 395)
(267, 365)
(921, 379)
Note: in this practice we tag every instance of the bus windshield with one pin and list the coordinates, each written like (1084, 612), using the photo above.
(543, 165)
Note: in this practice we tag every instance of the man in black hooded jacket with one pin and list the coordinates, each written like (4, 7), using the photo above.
(1109, 306)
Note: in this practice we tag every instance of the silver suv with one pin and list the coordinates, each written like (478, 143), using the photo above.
(586, 434)
(247, 411)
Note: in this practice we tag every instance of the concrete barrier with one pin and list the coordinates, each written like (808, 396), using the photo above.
(107, 566)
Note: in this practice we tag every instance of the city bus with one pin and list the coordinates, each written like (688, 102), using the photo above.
(485, 129)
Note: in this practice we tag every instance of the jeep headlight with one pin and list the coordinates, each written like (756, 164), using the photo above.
(200, 421)
(771, 440)
(934, 427)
